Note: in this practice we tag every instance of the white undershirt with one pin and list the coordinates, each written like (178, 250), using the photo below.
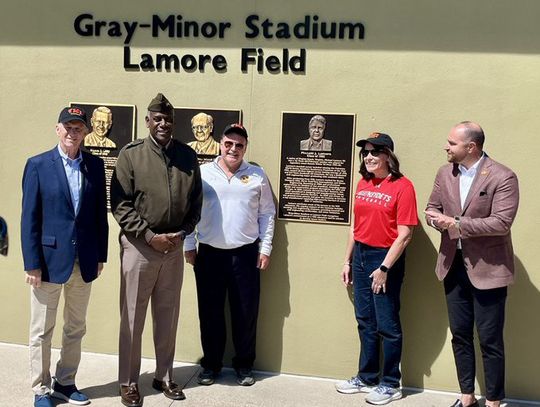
(465, 182)
(466, 179)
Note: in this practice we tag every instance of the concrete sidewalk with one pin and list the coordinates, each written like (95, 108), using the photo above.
(97, 378)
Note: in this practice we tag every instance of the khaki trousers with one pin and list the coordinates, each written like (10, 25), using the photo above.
(43, 306)
(146, 274)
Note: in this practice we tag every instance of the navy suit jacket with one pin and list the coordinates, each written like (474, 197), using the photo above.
(52, 235)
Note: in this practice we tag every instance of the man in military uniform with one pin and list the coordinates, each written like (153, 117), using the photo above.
(156, 197)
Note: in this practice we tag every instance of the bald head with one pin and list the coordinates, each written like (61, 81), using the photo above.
(472, 132)
(464, 144)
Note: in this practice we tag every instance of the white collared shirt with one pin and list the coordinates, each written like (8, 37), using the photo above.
(73, 174)
(465, 182)
(466, 179)
(235, 211)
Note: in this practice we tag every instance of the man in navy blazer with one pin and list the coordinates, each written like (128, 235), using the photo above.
(64, 234)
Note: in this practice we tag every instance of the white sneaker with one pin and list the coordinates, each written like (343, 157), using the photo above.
(353, 385)
(383, 395)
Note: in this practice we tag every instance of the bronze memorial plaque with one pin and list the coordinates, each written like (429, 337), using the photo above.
(316, 166)
(112, 126)
(201, 128)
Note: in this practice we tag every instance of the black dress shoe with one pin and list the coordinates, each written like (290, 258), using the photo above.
(458, 403)
(170, 389)
(130, 396)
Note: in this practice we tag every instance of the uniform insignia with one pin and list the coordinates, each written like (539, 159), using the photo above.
(244, 179)
(484, 172)
(134, 143)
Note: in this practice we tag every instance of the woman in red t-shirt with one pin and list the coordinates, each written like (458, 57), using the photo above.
(384, 217)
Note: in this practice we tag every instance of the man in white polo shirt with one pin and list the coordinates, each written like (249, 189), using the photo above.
(235, 240)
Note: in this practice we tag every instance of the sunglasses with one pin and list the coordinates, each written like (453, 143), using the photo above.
(230, 144)
(374, 152)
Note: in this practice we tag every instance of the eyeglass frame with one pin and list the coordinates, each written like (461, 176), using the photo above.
(230, 144)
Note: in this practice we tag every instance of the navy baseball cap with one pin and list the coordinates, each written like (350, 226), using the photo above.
(69, 114)
(235, 128)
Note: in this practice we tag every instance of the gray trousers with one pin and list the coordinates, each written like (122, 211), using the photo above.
(43, 305)
(145, 274)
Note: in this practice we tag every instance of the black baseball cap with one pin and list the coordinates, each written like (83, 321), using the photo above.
(69, 114)
(377, 139)
(236, 128)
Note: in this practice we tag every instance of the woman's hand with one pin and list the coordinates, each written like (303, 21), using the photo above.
(379, 281)
(346, 275)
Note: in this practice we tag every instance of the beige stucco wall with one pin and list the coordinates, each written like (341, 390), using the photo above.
(423, 66)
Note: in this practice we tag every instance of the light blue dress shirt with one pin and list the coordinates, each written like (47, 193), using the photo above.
(73, 174)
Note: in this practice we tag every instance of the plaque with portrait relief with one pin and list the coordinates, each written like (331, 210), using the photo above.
(111, 126)
(201, 128)
(316, 167)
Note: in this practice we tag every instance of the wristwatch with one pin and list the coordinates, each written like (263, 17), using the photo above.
(383, 268)
(458, 221)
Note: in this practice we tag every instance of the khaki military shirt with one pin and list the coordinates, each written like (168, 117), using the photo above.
(156, 189)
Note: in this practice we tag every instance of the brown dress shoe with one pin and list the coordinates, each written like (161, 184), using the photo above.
(170, 389)
(130, 396)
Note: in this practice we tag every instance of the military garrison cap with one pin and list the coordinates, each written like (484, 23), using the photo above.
(160, 104)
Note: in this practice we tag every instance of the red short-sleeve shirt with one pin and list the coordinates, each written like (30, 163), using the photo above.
(380, 205)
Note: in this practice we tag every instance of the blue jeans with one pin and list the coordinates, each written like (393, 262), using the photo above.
(377, 316)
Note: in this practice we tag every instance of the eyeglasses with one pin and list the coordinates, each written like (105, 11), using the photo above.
(199, 127)
(230, 144)
(374, 152)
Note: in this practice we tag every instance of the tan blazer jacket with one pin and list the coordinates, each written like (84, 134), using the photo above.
(486, 218)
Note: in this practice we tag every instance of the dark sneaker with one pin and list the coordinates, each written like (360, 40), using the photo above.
(207, 377)
(244, 377)
(353, 385)
(43, 400)
(69, 393)
(383, 395)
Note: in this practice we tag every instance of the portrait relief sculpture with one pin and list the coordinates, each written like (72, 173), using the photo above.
(202, 126)
(316, 140)
(101, 124)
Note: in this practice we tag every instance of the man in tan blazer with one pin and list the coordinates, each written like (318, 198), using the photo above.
(473, 204)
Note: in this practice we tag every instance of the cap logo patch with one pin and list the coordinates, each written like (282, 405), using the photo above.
(75, 111)
(374, 135)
